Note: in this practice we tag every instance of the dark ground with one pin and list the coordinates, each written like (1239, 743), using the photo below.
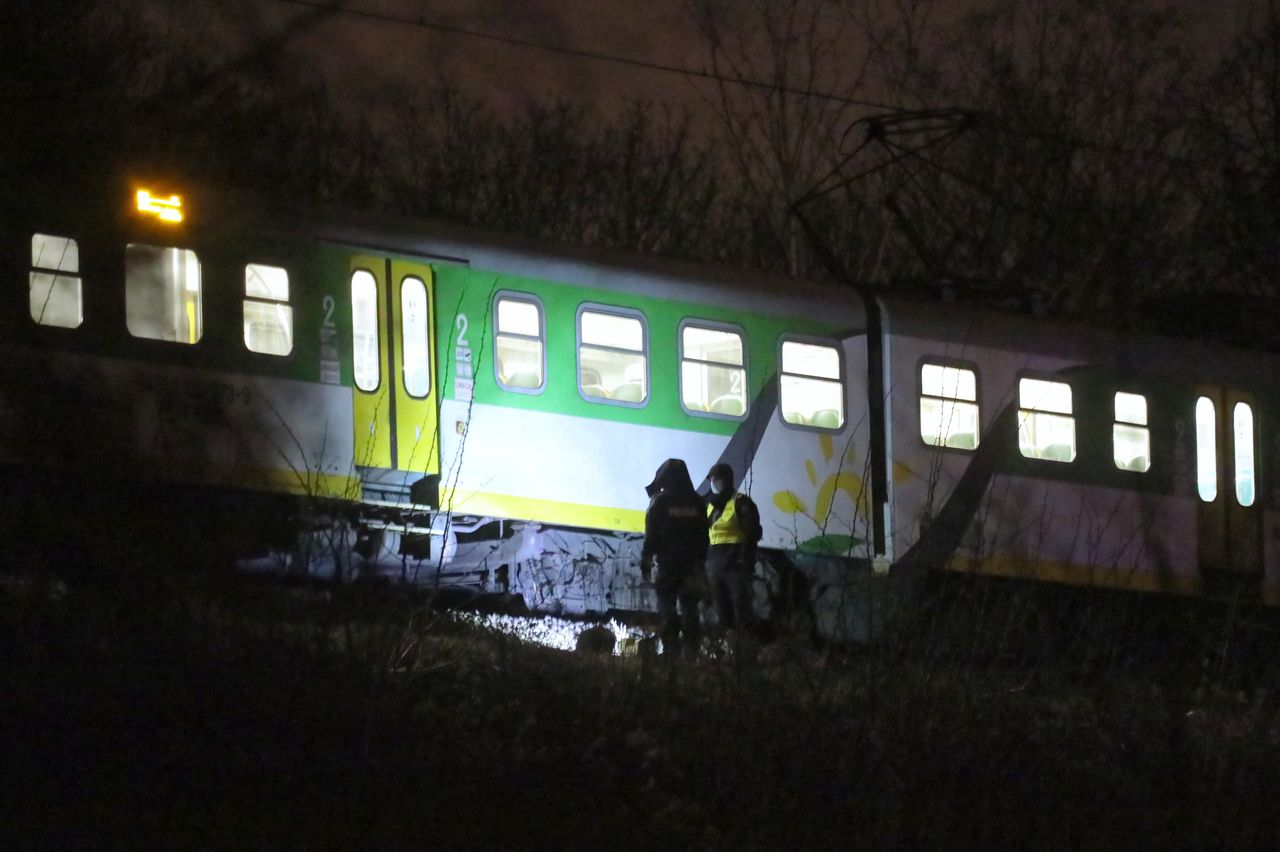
(148, 709)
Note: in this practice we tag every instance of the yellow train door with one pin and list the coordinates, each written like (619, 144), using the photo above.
(1229, 526)
(394, 394)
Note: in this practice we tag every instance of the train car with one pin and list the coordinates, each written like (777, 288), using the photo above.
(362, 396)
(445, 405)
(1031, 448)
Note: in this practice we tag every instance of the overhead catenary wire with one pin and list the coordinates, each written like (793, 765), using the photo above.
(948, 123)
(894, 113)
(580, 53)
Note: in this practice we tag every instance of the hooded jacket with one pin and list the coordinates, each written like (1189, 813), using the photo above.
(675, 526)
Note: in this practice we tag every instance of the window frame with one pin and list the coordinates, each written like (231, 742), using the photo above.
(1236, 481)
(245, 297)
(1214, 448)
(618, 311)
(403, 335)
(815, 340)
(1146, 398)
(529, 298)
(377, 325)
(958, 364)
(200, 266)
(1056, 379)
(78, 275)
(714, 325)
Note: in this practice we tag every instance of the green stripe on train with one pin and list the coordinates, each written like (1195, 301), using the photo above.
(470, 292)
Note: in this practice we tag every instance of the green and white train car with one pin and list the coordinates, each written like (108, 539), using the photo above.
(453, 406)
(565, 378)
(449, 406)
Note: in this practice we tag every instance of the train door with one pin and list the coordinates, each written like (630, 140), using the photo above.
(392, 315)
(1226, 485)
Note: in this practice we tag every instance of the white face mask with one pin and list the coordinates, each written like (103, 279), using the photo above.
(716, 488)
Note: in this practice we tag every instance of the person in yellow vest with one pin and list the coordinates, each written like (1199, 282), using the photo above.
(734, 529)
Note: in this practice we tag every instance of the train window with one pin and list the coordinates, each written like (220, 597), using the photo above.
(713, 373)
(1242, 423)
(1046, 425)
(1130, 435)
(1206, 450)
(162, 293)
(364, 330)
(54, 281)
(268, 317)
(413, 327)
(518, 343)
(948, 406)
(810, 389)
(612, 360)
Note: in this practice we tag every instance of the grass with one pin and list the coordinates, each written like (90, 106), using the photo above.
(181, 709)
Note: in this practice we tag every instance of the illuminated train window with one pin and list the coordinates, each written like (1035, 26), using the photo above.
(948, 406)
(162, 293)
(1242, 434)
(518, 339)
(413, 327)
(713, 374)
(55, 292)
(1130, 435)
(366, 364)
(1046, 425)
(268, 317)
(810, 388)
(613, 364)
(1206, 450)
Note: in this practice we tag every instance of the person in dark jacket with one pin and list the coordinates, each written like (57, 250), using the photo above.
(734, 525)
(675, 535)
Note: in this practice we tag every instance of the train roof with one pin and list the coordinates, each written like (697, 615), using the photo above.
(1193, 359)
(607, 269)
(217, 213)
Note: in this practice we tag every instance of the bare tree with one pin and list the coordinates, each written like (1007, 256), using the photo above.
(790, 77)
(1073, 178)
(1240, 222)
(69, 70)
(96, 89)
(641, 183)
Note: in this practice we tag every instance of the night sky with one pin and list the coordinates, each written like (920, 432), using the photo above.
(361, 57)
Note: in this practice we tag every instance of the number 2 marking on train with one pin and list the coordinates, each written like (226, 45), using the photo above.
(329, 304)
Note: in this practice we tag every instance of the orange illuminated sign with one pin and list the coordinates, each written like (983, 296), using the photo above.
(165, 209)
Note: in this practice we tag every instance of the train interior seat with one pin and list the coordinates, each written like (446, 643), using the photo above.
(628, 392)
(1138, 463)
(523, 379)
(1057, 452)
(727, 404)
(827, 418)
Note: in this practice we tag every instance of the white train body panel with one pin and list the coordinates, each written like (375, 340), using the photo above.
(1085, 521)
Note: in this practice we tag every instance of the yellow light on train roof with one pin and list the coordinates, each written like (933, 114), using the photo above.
(165, 209)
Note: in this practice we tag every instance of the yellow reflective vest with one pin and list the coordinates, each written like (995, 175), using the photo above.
(726, 529)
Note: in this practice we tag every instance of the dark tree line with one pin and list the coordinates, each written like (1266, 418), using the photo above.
(1078, 152)
(1088, 156)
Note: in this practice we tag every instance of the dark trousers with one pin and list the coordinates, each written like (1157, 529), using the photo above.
(730, 578)
(679, 590)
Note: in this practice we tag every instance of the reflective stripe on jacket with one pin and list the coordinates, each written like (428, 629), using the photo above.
(726, 529)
